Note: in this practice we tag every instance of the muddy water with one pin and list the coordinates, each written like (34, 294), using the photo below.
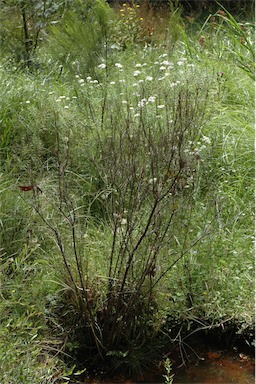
(213, 367)
(219, 368)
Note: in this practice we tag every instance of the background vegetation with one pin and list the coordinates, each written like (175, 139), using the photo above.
(126, 183)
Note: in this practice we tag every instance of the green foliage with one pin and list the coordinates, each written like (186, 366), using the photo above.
(169, 375)
(23, 25)
(237, 38)
(140, 166)
(24, 288)
(139, 25)
(223, 37)
(128, 31)
(81, 38)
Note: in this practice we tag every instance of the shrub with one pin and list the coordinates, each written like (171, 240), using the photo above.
(147, 170)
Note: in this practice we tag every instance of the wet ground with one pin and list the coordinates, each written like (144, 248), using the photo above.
(213, 367)
(219, 367)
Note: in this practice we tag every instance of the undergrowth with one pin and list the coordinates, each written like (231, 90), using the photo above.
(126, 190)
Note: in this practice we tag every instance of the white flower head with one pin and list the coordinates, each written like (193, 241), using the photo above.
(206, 139)
(151, 99)
(102, 66)
(149, 78)
(142, 103)
(166, 62)
(118, 65)
(152, 181)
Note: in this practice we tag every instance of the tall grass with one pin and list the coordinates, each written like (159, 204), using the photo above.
(139, 215)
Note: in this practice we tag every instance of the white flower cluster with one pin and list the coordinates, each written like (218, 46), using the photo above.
(66, 99)
(150, 100)
(89, 80)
